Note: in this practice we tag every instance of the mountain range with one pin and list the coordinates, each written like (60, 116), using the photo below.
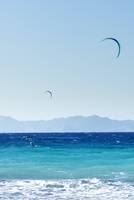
(70, 124)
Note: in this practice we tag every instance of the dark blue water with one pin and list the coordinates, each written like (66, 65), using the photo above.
(65, 139)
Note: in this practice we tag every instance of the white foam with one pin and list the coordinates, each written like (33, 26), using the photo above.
(86, 189)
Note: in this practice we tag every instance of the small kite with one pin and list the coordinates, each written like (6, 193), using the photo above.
(49, 92)
(117, 42)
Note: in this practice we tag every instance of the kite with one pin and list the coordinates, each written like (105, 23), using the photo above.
(117, 42)
(49, 92)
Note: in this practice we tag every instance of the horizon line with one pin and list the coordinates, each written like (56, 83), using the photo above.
(65, 117)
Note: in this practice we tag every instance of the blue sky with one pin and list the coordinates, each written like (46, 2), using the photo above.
(56, 45)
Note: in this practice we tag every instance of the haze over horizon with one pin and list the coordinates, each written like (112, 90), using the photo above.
(65, 117)
(70, 124)
(56, 45)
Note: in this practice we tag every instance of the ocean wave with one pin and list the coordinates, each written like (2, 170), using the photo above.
(82, 189)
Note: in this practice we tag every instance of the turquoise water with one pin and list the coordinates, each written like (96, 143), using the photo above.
(56, 165)
(66, 163)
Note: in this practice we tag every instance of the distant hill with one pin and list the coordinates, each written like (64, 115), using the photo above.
(70, 124)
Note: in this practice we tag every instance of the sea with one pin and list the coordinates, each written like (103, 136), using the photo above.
(67, 166)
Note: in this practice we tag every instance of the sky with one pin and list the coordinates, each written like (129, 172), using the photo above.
(57, 46)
